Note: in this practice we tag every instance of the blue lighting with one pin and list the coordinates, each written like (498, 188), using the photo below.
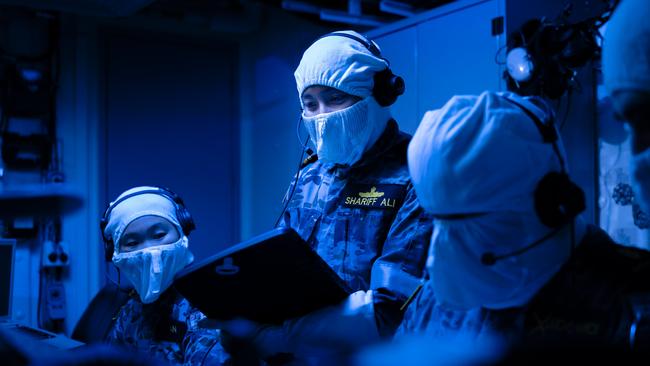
(31, 75)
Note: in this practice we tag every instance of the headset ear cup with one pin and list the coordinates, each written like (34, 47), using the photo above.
(186, 220)
(108, 244)
(576, 201)
(109, 248)
(558, 200)
(182, 214)
(387, 88)
(519, 65)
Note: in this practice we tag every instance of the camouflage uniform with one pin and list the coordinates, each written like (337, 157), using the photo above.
(591, 300)
(427, 316)
(167, 330)
(366, 223)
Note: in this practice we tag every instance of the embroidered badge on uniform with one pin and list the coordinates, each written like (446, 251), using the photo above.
(194, 319)
(380, 196)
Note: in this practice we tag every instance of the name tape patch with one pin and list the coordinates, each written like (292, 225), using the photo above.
(381, 196)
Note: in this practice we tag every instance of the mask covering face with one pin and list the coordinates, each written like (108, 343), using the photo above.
(341, 137)
(152, 270)
(640, 171)
(462, 281)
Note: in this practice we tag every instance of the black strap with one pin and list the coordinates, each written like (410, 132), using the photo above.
(547, 130)
(98, 318)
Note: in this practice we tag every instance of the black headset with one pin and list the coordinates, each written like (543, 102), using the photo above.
(182, 215)
(542, 57)
(387, 86)
(558, 200)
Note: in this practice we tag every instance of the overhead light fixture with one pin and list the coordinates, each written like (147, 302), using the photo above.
(397, 8)
(353, 16)
(343, 17)
(354, 7)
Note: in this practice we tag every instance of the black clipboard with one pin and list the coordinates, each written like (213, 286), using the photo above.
(268, 279)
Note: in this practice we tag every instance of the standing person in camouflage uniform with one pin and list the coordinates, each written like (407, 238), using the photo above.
(355, 205)
(147, 228)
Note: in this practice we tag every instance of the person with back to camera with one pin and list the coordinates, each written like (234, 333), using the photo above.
(511, 261)
(514, 272)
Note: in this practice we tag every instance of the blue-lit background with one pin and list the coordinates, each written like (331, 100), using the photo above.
(207, 106)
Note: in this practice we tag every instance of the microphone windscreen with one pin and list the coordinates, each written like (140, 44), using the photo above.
(488, 259)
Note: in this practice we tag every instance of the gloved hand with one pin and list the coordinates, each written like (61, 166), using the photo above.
(345, 327)
(266, 340)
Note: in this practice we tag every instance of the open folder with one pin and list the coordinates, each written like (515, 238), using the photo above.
(268, 279)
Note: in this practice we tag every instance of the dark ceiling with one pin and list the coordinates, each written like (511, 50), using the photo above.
(345, 11)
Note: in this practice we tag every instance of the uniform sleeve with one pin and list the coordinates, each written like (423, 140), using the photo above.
(202, 346)
(284, 220)
(397, 273)
(116, 335)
